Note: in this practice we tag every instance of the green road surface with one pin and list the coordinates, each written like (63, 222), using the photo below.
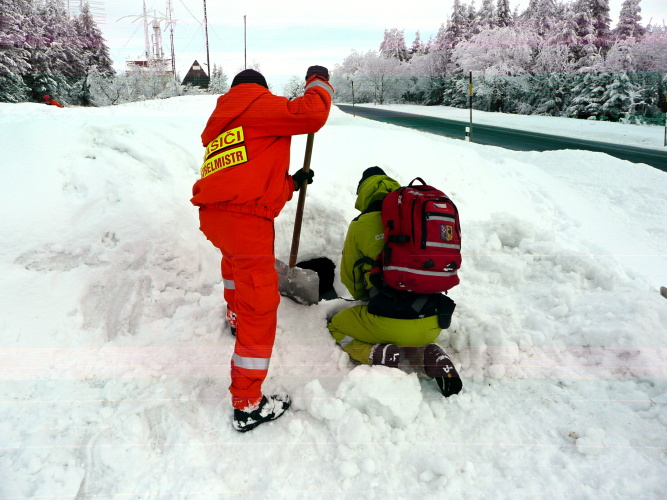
(519, 140)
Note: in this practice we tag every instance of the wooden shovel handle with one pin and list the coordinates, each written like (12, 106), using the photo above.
(302, 201)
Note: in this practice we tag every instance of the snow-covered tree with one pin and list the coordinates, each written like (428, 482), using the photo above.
(620, 58)
(13, 55)
(541, 15)
(294, 87)
(564, 32)
(456, 28)
(498, 51)
(94, 52)
(601, 21)
(589, 95)
(487, 15)
(554, 59)
(503, 13)
(472, 22)
(218, 83)
(418, 47)
(650, 55)
(628, 23)
(107, 90)
(56, 61)
(384, 76)
(393, 44)
(619, 98)
(594, 21)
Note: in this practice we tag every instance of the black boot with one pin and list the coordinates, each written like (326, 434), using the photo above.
(438, 366)
(268, 409)
(386, 355)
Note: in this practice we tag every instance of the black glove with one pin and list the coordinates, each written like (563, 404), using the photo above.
(301, 176)
(318, 70)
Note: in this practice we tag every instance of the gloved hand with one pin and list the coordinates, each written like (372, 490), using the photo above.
(301, 176)
(320, 71)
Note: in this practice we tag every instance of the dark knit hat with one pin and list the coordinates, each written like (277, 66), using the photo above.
(249, 76)
(369, 172)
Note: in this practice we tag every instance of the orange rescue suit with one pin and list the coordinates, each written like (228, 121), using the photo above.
(245, 183)
(263, 185)
(52, 102)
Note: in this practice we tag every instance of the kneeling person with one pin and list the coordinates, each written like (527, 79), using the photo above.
(372, 333)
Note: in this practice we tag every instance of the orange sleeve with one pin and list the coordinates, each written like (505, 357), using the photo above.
(303, 115)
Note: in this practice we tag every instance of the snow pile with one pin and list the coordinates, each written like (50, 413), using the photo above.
(603, 131)
(116, 359)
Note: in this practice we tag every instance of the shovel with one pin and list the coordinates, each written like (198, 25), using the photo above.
(300, 285)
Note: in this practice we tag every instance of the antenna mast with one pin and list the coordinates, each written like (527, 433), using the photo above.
(170, 11)
(146, 37)
(153, 52)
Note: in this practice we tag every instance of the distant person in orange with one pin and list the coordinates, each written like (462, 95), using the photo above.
(244, 185)
(51, 101)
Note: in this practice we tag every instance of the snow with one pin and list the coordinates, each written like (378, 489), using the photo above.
(115, 358)
(652, 137)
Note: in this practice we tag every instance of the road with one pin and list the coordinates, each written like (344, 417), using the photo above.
(518, 140)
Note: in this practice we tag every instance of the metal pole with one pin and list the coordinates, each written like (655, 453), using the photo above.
(470, 104)
(245, 46)
(146, 39)
(208, 58)
(170, 7)
(353, 112)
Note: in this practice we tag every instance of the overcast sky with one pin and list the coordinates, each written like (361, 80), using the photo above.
(285, 37)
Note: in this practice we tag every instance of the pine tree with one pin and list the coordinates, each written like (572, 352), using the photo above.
(56, 54)
(218, 83)
(619, 97)
(487, 15)
(95, 53)
(628, 22)
(457, 26)
(503, 13)
(589, 95)
(95, 50)
(472, 22)
(593, 20)
(541, 14)
(601, 21)
(417, 48)
(13, 54)
(393, 45)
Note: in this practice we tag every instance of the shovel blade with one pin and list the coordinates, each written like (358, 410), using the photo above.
(300, 285)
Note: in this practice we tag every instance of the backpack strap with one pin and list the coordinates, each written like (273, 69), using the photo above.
(376, 206)
(417, 179)
(356, 269)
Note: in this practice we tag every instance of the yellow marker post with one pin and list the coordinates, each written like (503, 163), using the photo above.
(469, 132)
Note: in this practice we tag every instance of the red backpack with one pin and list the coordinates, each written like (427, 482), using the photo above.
(422, 234)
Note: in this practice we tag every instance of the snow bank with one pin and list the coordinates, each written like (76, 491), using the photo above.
(116, 359)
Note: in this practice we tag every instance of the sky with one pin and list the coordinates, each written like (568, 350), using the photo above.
(115, 356)
(284, 38)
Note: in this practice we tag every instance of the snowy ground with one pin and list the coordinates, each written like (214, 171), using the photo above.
(618, 133)
(115, 361)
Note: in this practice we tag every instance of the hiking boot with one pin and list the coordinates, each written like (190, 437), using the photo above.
(385, 355)
(268, 409)
(438, 366)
